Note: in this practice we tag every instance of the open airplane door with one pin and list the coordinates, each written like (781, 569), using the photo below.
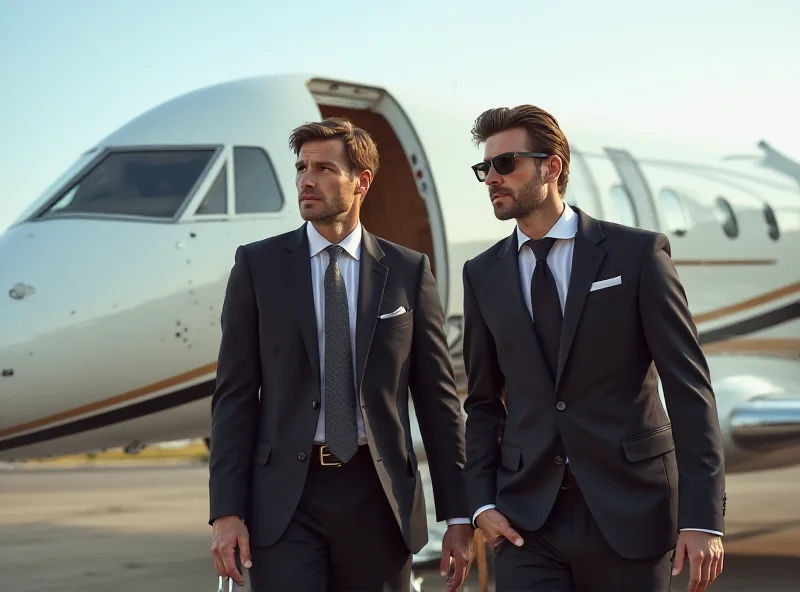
(637, 186)
(418, 154)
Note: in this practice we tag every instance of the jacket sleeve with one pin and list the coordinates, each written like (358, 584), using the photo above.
(234, 405)
(436, 402)
(671, 336)
(485, 406)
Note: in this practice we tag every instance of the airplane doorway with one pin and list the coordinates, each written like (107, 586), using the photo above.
(393, 208)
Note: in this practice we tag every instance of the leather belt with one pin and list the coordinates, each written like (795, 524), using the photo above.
(325, 457)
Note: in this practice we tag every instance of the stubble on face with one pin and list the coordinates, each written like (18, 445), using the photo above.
(329, 198)
(317, 206)
(516, 204)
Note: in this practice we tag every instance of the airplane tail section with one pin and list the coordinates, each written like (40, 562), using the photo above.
(779, 162)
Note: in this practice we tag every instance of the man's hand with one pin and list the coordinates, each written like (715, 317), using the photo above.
(705, 558)
(230, 531)
(458, 543)
(495, 528)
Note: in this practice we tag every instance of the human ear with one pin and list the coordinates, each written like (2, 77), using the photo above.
(364, 183)
(552, 169)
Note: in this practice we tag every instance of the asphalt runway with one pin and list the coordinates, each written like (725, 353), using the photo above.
(137, 528)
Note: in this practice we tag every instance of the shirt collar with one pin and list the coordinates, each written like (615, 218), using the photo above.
(351, 243)
(566, 227)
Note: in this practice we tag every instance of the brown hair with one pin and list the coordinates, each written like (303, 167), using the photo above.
(544, 133)
(362, 153)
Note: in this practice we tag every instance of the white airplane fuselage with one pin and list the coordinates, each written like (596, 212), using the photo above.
(112, 281)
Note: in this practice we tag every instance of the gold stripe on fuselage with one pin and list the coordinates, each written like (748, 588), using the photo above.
(783, 348)
(138, 393)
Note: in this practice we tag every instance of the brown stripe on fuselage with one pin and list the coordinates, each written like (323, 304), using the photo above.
(724, 311)
(774, 348)
(138, 393)
(782, 347)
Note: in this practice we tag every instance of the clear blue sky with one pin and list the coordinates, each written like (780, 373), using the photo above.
(73, 70)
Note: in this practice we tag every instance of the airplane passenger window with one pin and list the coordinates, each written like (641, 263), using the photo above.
(257, 188)
(672, 209)
(726, 218)
(772, 223)
(216, 201)
(624, 210)
(152, 183)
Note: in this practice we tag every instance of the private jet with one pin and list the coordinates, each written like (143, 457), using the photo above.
(112, 281)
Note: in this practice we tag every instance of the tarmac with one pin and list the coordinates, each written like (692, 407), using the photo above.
(136, 527)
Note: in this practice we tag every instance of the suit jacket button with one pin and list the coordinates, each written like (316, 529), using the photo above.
(301, 456)
(561, 406)
(559, 460)
(315, 403)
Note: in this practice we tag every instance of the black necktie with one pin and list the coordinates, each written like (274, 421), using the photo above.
(341, 431)
(546, 304)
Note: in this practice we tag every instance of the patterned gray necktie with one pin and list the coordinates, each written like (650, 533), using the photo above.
(341, 431)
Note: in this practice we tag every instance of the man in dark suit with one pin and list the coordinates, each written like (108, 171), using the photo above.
(576, 475)
(316, 479)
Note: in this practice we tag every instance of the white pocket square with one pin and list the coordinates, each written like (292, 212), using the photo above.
(615, 281)
(399, 311)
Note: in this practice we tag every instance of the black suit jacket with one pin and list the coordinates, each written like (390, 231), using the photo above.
(643, 476)
(261, 446)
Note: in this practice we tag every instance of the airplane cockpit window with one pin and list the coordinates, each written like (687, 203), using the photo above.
(216, 200)
(726, 218)
(624, 210)
(151, 183)
(772, 223)
(256, 187)
(674, 216)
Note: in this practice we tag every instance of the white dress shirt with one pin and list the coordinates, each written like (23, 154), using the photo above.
(349, 266)
(559, 260)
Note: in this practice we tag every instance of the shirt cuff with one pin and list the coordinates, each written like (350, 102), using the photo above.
(704, 530)
(479, 510)
(451, 521)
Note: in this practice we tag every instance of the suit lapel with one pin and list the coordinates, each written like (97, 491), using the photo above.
(510, 299)
(298, 280)
(372, 280)
(586, 260)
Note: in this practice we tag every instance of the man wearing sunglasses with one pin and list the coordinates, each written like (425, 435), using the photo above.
(575, 474)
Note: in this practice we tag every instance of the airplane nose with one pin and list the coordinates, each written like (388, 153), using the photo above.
(78, 298)
(95, 317)
(29, 333)
(16, 294)
(18, 328)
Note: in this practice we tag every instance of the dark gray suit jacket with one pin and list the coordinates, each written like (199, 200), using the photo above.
(261, 448)
(643, 477)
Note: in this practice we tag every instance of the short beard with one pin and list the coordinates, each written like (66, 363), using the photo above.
(333, 210)
(326, 216)
(528, 200)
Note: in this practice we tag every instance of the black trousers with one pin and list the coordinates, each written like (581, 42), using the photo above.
(570, 554)
(342, 538)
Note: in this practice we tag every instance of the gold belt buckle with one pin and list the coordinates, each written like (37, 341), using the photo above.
(323, 454)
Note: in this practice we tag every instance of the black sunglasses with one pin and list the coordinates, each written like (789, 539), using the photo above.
(502, 163)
